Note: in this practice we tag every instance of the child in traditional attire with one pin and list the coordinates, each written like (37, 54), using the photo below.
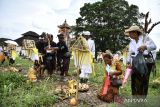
(112, 80)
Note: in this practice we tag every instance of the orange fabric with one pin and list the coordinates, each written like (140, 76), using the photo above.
(2, 57)
(105, 85)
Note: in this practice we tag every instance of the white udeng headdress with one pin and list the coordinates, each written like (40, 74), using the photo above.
(86, 33)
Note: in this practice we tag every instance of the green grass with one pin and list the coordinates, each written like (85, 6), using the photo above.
(16, 92)
(19, 63)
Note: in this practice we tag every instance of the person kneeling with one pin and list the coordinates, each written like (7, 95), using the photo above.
(112, 80)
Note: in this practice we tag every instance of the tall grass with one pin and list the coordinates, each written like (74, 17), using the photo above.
(15, 91)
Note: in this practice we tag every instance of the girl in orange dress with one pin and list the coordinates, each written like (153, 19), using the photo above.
(113, 70)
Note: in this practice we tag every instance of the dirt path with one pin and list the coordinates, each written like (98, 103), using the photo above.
(85, 99)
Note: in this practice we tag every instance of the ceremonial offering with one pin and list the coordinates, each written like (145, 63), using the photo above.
(2, 57)
(31, 75)
(73, 102)
(83, 87)
(28, 44)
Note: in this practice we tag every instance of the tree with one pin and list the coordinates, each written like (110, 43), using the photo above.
(106, 21)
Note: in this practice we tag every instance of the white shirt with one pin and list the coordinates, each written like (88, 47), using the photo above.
(143, 40)
(1, 49)
(91, 45)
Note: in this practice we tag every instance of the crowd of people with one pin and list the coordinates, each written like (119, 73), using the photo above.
(140, 44)
(56, 57)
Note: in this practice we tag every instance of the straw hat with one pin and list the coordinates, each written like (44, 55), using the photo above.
(107, 54)
(132, 28)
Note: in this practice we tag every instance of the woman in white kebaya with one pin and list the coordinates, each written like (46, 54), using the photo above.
(140, 44)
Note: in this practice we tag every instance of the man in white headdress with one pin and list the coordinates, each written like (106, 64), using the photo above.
(86, 70)
(90, 42)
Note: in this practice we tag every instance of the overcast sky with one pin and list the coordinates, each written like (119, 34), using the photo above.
(20, 16)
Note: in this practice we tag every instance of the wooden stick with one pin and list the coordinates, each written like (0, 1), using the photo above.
(147, 24)
(155, 24)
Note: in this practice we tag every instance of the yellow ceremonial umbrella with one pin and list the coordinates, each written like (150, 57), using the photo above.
(81, 53)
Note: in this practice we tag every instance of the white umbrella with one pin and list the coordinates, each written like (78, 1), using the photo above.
(11, 42)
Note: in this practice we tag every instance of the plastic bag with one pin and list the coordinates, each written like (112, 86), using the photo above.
(139, 65)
